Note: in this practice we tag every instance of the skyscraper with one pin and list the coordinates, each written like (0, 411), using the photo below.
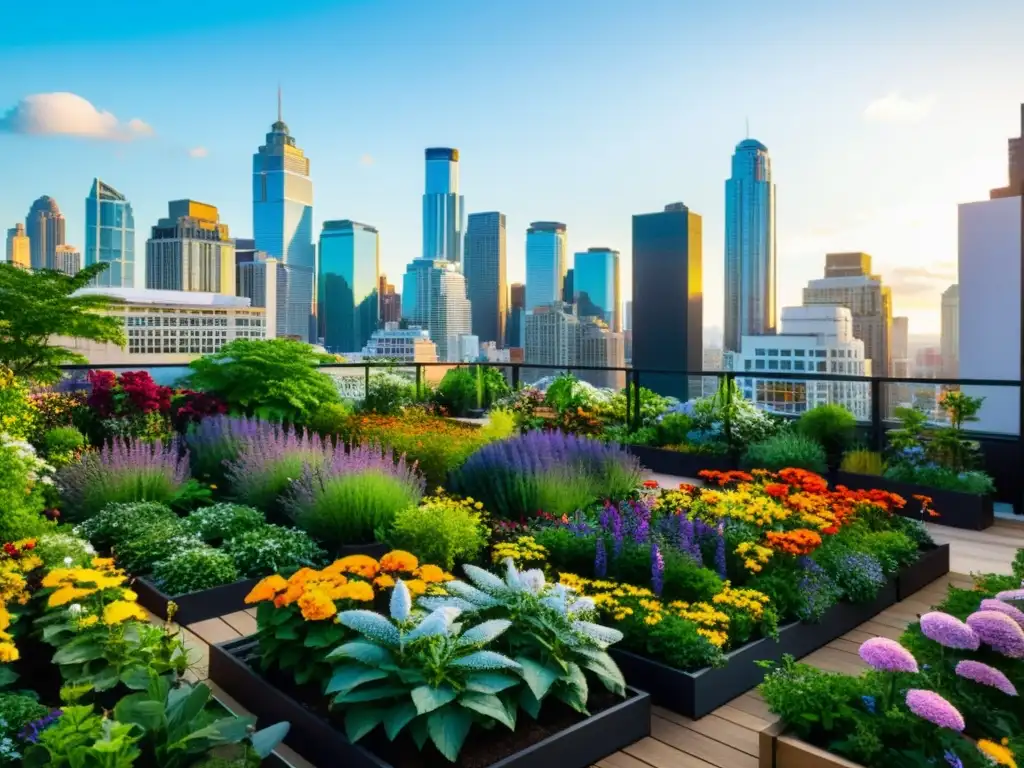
(950, 339)
(44, 227)
(515, 334)
(546, 252)
(263, 281)
(110, 235)
(443, 214)
(900, 347)
(67, 259)
(390, 302)
(191, 250)
(569, 286)
(347, 285)
(1015, 158)
(449, 315)
(668, 298)
(19, 252)
(484, 267)
(282, 215)
(750, 264)
(245, 250)
(596, 286)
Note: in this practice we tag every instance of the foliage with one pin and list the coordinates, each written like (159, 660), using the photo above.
(943, 478)
(194, 568)
(784, 450)
(131, 405)
(54, 409)
(523, 404)
(274, 379)
(63, 445)
(119, 522)
(567, 393)
(220, 522)
(189, 407)
(863, 462)
(16, 712)
(330, 419)
(465, 389)
(831, 425)
(674, 428)
(38, 306)
(652, 406)
(18, 413)
(269, 549)
(153, 543)
(441, 530)
(215, 442)
(858, 575)
(269, 459)
(23, 481)
(500, 424)
(61, 548)
(388, 394)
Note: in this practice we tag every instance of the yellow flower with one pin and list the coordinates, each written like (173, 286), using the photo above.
(8, 653)
(361, 565)
(384, 581)
(87, 621)
(266, 589)
(316, 605)
(416, 587)
(66, 594)
(478, 505)
(120, 611)
(431, 574)
(399, 560)
(359, 591)
(30, 563)
(57, 577)
(998, 753)
(5, 618)
(103, 563)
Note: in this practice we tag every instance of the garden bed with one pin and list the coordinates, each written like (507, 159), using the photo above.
(932, 565)
(195, 606)
(573, 745)
(956, 509)
(679, 463)
(777, 750)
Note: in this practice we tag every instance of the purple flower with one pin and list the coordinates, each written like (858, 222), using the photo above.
(600, 559)
(929, 706)
(31, 731)
(986, 675)
(887, 655)
(953, 760)
(999, 631)
(998, 605)
(818, 591)
(720, 552)
(657, 569)
(949, 631)
(1011, 596)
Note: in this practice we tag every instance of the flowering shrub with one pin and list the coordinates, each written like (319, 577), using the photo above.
(18, 412)
(24, 478)
(268, 549)
(55, 409)
(441, 529)
(269, 460)
(215, 442)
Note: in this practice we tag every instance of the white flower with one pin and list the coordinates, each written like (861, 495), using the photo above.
(583, 604)
(74, 609)
(68, 561)
(46, 481)
(90, 549)
(532, 580)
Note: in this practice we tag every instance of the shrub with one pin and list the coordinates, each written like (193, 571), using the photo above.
(122, 471)
(831, 425)
(220, 522)
(674, 428)
(330, 419)
(139, 553)
(17, 411)
(272, 548)
(119, 522)
(943, 478)
(55, 548)
(863, 462)
(786, 450)
(441, 530)
(16, 711)
(500, 424)
(266, 467)
(464, 389)
(214, 442)
(194, 569)
(858, 575)
(23, 476)
(388, 394)
(63, 445)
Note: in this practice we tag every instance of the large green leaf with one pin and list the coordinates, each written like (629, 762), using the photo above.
(347, 678)
(138, 708)
(135, 678)
(7, 676)
(607, 671)
(574, 690)
(489, 705)
(359, 721)
(448, 728)
(418, 731)
(396, 718)
(105, 679)
(182, 710)
(539, 677)
(427, 698)
(490, 682)
(371, 694)
(226, 730)
(323, 635)
(368, 653)
(528, 702)
(77, 652)
(265, 741)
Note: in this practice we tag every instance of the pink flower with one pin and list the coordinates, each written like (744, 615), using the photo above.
(986, 675)
(887, 655)
(929, 706)
(1012, 596)
(998, 605)
(999, 631)
(949, 631)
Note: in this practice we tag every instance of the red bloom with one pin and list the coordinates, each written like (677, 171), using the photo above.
(778, 490)
(650, 483)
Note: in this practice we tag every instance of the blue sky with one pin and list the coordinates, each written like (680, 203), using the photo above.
(880, 117)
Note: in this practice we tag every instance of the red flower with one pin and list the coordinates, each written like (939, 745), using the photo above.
(778, 490)
(650, 483)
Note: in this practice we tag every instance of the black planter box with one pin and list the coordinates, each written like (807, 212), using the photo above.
(318, 741)
(677, 463)
(195, 606)
(956, 509)
(933, 564)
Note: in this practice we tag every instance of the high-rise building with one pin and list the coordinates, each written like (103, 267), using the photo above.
(390, 302)
(600, 346)
(44, 226)
(627, 324)
(515, 328)
(569, 286)
(597, 290)
(750, 261)
(347, 285)
(245, 250)
(668, 298)
(950, 339)
(191, 250)
(552, 336)
(67, 259)
(900, 347)
(546, 254)
(450, 312)
(848, 282)
(1015, 157)
(260, 281)
(110, 235)
(19, 251)
(484, 266)
(443, 213)
(282, 215)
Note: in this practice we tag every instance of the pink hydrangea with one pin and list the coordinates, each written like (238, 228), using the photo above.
(999, 631)
(986, 675)
(887, 655)
(929, 706)
(998, 605)
(949, 631)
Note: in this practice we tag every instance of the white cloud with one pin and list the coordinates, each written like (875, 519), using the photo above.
(67, 114)
(366, 160)
(895, 108)
(198, 152)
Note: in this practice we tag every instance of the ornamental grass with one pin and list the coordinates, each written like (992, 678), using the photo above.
(269, 459)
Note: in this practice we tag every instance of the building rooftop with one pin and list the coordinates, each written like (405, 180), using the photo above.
(751, 144)
(178, 298)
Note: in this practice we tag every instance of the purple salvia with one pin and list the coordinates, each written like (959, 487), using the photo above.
(657, 569)
(617, 533)
(600, 559)
(720, 551)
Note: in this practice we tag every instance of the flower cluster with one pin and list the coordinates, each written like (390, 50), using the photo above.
(798, 542)
(755, 557)
(524, 549)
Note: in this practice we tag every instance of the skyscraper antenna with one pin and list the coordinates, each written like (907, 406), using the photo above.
(279, 103)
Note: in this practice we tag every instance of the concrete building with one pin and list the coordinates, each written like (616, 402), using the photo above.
(348, 277)
(601, 346)
(390, 302)
(110, 235)
(19, 251)
(261, 281)
(900, 347)
(546, 254)
(485, 263)
(435, 298)
(552, 337)
(191, 250)
(67, 259)
(411, 345)
(463, 348)
(45, 229)
(950, 338)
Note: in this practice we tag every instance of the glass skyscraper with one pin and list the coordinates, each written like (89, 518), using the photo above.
(546, 247)
(282, 215)
(443, 214)
(750, 264)
(596, 287)
(347, 285)
(485, 275)
(110, 235)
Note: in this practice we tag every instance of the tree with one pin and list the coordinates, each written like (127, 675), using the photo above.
(38, 306)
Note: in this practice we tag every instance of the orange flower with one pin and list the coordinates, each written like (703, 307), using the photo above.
(799, 542)
(266, 589)
(361, 565)
(399, 560)
(384, 581)
(432, 574)
(650, 483)
(359, 591)
(316, 605)
(778, 490)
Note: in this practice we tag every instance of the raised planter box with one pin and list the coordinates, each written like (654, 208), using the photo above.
(664, 462)
(195, 606)
(777, 750)
(322, 743)
(931, 566)
(956, 509)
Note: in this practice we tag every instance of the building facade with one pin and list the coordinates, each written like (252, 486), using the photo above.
(900, 347)
(412, 345)
(191, 250)
(546, 254)
(569, 286)
(1015, 158)
(950, 338)
(597, 290)
(348, 280)
(485, 266)
(110, 235)
(67, 259)
(750, 258)
(603, 347)
(450, 312)
(390, 302)
(45, 229)
(552, 336)
(443, 214)
(668, 298)
(19, 251)
(263, 281)
(515, 326)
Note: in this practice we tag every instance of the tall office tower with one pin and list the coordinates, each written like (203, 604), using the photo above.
(44, 227)
(245, 250)
(67, 259)
(390, 302)
(484, 266)
(449, 313)
(443, 213)
(263, 281)
(950, 339)
(668, 298)
(546, 253)
(602, 347)
(552, 337)
(347, 285)
(282, 215)
(750, 263)
(19, 250)
(1015, 156)
(191, 250)
(848, 282)
(569, 286)
(597, 290)
(900, 347)
(110, 235)
(515, 334)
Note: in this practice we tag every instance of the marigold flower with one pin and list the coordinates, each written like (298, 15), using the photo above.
(361, 565)
(102, 563)
(315, 605)
(120, 611)
(362, 592)
(399, 561)
(431, 574)
(384, 581)
(8, 653)
(997, 753)
(266, 589)
(416, 586)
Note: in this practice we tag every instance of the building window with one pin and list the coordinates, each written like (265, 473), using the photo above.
(787, 365)
(746, 365)
(759, 352)
(773, 353)
(819, 353)
(821, 367)
(798, 352)
(798, 365)
(773, 365)
(759, 365)
(786, 352)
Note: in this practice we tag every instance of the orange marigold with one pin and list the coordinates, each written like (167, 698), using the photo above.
(399, 560)
(384, 581)
(799, 542)
(316, 605)
(360, 565)
(359, 591)
(432, 574)
(778, 490)
(266, 589)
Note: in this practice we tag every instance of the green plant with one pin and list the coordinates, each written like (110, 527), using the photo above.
(831, 425)
(388, 394)
(81, 738)
(500, 424)
(440, 530)
(565, 393)
(220, 522)
(16, 711)
(193, 569)
(808, 699)
(948, 445)
(274, 379)
(57, 549)
(652, 406)
(674, 428)
(272, 548)
(786, 450)
(63, 444)
(943, 478)
(908, 435)
(19, 417)
(863, 462)
(117, 522)
(22, 497)
(330, 419)
(139, 553)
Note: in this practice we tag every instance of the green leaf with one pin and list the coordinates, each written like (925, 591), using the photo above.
(78, 652)
(287, 632)
(138, 708)
(50, 632)
(427, 698)
(7, 676)
(490, 682)
(607, 671)
(322, 635)
(359, 721)
(574, 690)
(396, 718)
(539, 677)
(364, 651)
(184, 709)
(135, 678)
(105, 679)
(528, 702)
(418, 731)
(370, 694)
(484, 632)
(265, 741)
(448, 728)
(489, 705)
(347, 678)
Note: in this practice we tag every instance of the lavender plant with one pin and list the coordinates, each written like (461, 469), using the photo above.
(269, 461)
(218, 440)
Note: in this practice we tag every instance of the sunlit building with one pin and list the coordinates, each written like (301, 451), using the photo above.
(390, 302)
(484, 266)
(546, 254)
(596, 287)
(191, 250)
(45, 229)
(110, 235)
(18, 248)
(67, 259)
(347, 285)
(443, 214)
